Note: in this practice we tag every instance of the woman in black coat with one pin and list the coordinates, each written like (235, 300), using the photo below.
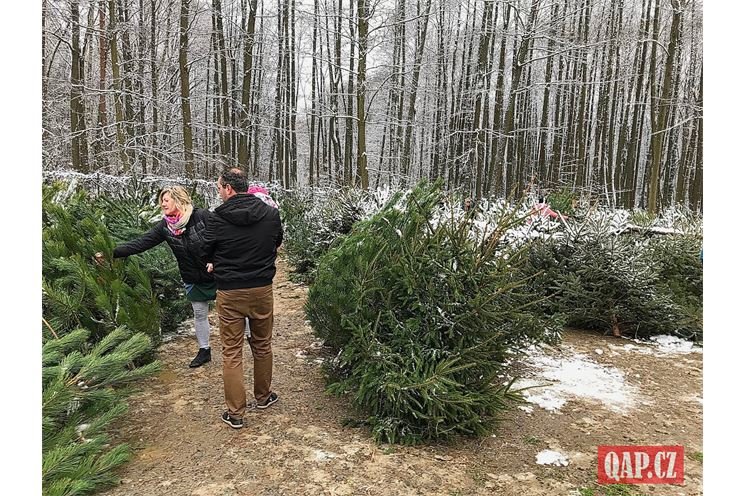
(182, 227)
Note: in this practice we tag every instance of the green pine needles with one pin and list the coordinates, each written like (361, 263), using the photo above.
(83, 387)
(423, 317)
(90, 356)
(128, 214)
(78, 293)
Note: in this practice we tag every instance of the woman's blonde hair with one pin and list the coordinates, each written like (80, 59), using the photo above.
(179, 196)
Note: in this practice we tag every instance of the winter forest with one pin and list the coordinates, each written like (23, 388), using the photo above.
(491, 250)
(598, 97)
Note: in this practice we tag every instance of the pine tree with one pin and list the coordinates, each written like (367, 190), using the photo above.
(83, 387)
(76, 292)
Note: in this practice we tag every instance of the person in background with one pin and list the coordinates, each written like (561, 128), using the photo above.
(542, 209)
(263, 194)
(241, 242)
(183, 228)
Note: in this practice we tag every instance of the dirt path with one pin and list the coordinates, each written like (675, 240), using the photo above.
(300, 447)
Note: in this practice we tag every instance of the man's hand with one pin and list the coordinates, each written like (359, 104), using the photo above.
(210, 267)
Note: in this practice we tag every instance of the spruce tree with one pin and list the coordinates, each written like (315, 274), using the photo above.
(313, 224)
(600, 276)
(423, 318)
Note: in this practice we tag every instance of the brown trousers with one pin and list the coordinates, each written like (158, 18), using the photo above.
(233, 306)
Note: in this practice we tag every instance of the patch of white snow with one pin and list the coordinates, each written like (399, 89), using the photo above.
(674, 344)
(550, 457)
(575, 375)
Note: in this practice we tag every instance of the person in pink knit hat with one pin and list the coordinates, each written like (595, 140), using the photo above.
(263, 194)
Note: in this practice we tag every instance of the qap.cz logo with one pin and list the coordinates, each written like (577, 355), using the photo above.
(640, 464)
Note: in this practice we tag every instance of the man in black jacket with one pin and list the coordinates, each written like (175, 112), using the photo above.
(241, 243)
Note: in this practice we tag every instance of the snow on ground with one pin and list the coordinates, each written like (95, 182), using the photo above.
(555, 379)
(659, 346)
(549, 457)
(673, 344)
(575, 375)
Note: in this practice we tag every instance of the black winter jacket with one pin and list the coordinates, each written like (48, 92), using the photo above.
(241, 241)
(186, 247)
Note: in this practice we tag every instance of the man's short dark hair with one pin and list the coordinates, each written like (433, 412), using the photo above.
(236, 178)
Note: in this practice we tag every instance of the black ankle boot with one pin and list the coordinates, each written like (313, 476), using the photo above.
(204, 356)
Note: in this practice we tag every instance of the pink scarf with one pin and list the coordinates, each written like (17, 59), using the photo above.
(177, 223)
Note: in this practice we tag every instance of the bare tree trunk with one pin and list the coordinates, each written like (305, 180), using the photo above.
(483, 73)
(562, 96)
(496, 163)
(154, 140)
(653, 100)
(414, 86)
(133, 138)
(522, 120)
(139, 87)
(543, 131)
(285, 127)
(632, 164)
(441, 98)
(184, 78)
(214, 143)
(117, 80)
(44, 81)
(697, 183)
(622, 167)
(597, 162)
(101, 117)
(77, 102)
(461, 126)
(349, 110)
(392, 125)
(336, 84)
(362, 179)
(278, 142)
(660, 123)
(86, 61)
(514, 182)
(248, 46)
(258, 77)
(618, 100)
(672, 151)
(686, 167)
(582, 177)
(398, 88)
(223, 95)
(312, 163)
(293, 99)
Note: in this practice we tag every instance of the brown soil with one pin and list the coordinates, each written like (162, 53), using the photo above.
(300, 445)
